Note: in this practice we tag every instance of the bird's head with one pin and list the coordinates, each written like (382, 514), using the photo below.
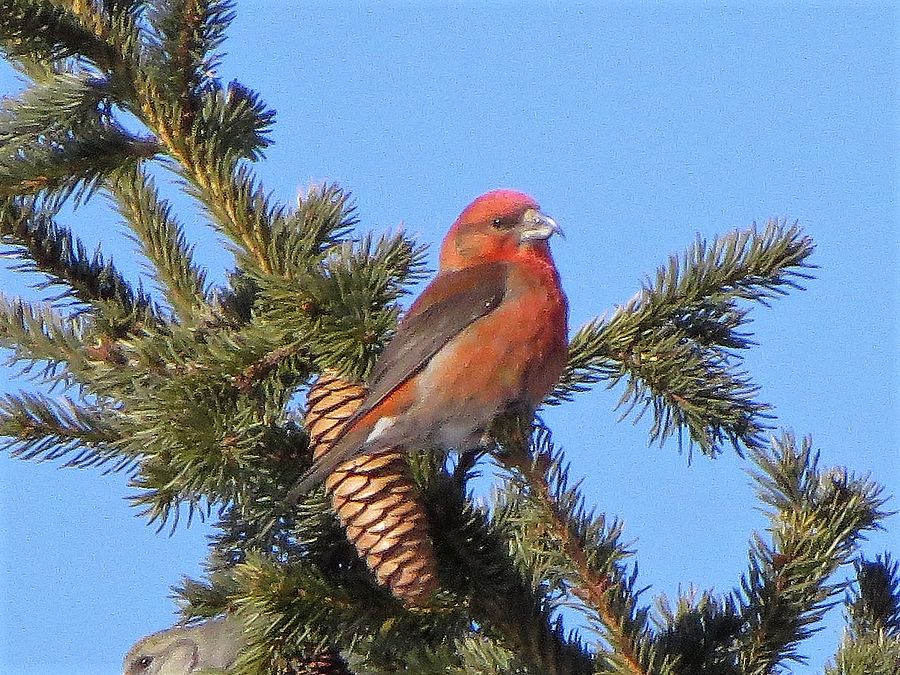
(499, 225)
(168, 652)
(184, 650)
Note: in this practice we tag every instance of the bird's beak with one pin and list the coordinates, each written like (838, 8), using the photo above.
(535, 225)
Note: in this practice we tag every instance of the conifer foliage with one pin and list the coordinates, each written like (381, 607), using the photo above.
(197, 392)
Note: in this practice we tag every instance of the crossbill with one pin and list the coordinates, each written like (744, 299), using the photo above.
(182, 650)
(488, 335)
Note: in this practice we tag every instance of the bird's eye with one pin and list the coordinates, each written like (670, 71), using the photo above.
(504, 222)
(144, 662)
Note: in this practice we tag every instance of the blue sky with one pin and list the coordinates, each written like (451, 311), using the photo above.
(636, 126)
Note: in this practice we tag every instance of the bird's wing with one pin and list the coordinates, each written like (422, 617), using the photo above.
(451, 303)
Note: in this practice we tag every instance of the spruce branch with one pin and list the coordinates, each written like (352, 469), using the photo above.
(187, 32)
(118, 8)
(88, 12)
(570, 548)
(72, 165)
(343, 309)
(207, 131)
(871, 645)
(43, 246)
(509, 608)
(50, 31)
(263, 367)
(699, 633)
(115, 23)
(230, 124)
(46, 37)
(878, 655)
(162, 241)
(240, 117)
(290, 611)
(248, 525)
(194, 454)
(676, 344)
(227, 189)
(33, 427)
(817, 516)
(58, 104)
(480, 655)
(60, 137)
(324, 217)
(874, 603)
(205, 443)
(38, 334)
(293, 613)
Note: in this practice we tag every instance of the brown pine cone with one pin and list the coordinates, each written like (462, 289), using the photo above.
(328, 662)
(374, 497)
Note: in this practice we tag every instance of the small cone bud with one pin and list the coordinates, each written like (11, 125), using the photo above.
(374, 497)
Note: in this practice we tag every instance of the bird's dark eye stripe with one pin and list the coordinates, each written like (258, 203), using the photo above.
(505, 222)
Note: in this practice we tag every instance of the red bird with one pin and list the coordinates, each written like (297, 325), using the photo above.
(489, 334)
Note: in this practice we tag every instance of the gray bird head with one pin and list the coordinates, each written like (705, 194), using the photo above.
(184, 650)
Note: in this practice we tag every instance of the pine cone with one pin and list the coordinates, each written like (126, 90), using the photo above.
(374, 497)
(328, 662)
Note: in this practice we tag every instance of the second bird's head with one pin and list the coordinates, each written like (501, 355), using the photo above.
(499, 225)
